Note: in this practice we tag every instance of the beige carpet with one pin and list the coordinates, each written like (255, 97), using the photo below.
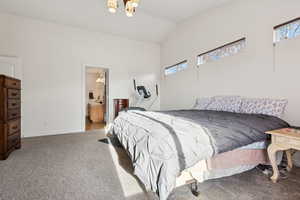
(129, 183)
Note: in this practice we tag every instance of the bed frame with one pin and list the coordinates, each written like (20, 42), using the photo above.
(186, 178)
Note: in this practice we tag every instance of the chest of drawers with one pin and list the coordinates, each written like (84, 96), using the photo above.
(10, 115)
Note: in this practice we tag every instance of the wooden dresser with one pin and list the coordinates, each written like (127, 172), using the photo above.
(10, 115)
(120, 104)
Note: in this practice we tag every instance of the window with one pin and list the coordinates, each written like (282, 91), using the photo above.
(176, 68)
(287, 30)
(223, 51)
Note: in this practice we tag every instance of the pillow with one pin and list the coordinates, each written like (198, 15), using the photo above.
(202, 103)
(273, 107)
(226, 103)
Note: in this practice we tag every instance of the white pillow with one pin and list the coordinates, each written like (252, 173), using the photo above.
(272, 107)
(226, 103)
(202, 103)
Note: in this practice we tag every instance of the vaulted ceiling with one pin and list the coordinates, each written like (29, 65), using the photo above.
(152, 22)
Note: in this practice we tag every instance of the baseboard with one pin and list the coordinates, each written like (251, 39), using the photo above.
(51, 133)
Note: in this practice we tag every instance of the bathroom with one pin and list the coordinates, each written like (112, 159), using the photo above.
(95, 98)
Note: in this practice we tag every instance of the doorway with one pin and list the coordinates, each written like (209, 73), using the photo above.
(96, 95)
(10, 66)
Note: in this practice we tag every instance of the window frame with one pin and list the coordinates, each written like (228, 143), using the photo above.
(286, 23)
(175, 65)
(220, 47)
(282, 25)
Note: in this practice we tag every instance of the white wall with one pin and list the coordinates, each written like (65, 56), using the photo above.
(249, 73)
(52, 59)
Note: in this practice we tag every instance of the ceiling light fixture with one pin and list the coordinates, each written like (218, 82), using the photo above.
(112, 5)
(129, 5)
(135, 3)
(129, 9)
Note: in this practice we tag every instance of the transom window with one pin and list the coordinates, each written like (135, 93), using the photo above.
(223, 51)
(176, 68)
(287, 30)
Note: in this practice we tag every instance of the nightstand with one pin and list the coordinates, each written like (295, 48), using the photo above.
(119, 105)
(283, 140)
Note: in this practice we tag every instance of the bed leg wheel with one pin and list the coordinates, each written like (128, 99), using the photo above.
(195, 189)
(196, 194)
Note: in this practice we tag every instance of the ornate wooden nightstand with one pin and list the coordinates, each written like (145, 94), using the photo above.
(120, 104)
(283, 140)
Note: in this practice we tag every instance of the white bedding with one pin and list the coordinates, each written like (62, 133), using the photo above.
(256, 145)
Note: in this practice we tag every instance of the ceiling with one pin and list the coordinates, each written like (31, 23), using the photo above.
(152, 22)
(178, 10)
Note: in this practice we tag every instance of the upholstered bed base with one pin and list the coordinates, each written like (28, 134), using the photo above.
(225, 164)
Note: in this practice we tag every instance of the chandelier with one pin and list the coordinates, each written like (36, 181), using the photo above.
(129, 5)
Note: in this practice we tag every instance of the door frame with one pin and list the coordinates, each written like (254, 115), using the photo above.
(16, 62)
(83, 111)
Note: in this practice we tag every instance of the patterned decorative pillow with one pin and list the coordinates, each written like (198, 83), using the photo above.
(226, 103)
(272, 107)
(202, 103)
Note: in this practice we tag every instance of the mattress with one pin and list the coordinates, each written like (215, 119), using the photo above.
(256, 145)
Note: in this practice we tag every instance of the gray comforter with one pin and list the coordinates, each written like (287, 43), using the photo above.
(162, 144)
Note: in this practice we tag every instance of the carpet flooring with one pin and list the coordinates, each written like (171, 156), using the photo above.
(78, 167)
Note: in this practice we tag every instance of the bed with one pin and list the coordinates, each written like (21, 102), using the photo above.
(173, 148)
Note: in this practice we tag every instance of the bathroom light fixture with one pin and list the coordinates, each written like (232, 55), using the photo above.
(100, 78)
